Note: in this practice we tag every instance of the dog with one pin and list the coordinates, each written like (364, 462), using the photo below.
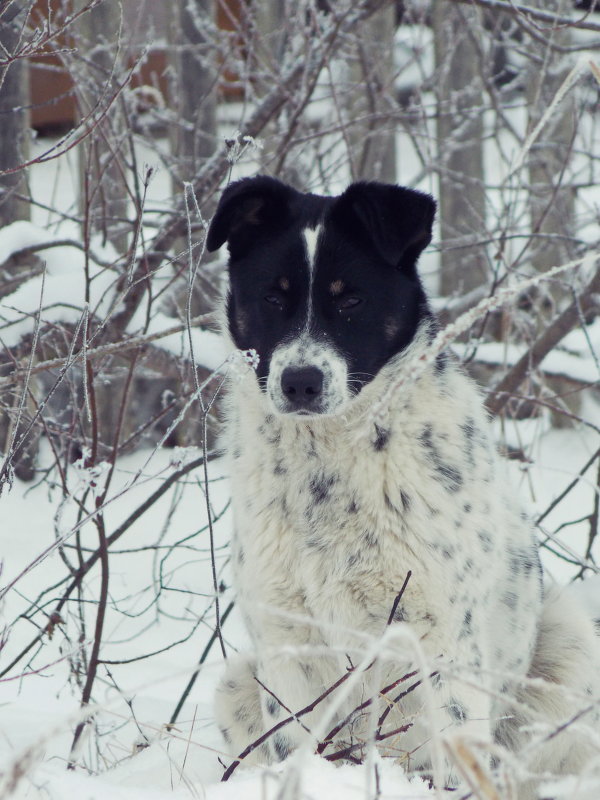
(388, 578)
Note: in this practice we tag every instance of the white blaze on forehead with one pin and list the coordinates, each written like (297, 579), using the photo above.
(311, 239)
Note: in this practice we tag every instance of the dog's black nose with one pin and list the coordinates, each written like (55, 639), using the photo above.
(302, 386)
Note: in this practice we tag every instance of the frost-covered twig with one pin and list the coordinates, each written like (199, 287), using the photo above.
(547, 18)
(417, 365)
(113, 348)
(85, 568)
(587, 300)
(549, 112)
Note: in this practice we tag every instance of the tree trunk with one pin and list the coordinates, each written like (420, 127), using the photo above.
(14, 150)
(104, 194)
(14, 130)
(373, 141)
(460, 146)
(193, 132)
(551, 196)
(194, 101)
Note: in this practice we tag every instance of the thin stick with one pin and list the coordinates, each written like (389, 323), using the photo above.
(399, 597)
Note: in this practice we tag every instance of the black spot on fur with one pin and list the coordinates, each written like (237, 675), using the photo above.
(450, 477)
(468, 428)
(476, 659)
(469, 431)
(272, 706)
(279, 469)
(486, 540)
(457, 711)
(320, 487)
(522, 559)
(269, 430)
(352, 507)
(370, 539)
(467, 627)
(306, 669)
(441, 362)
(281, 746)
(406, 501)
(382, 437)
(510, 599)
(528, 565)
(225, 734)
(467, 508)
(316, 543)
(311, 450)
(241, 555)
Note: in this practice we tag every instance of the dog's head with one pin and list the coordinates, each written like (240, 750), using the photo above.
(325, 289)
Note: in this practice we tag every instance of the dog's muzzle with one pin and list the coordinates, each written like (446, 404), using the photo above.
(307, 378)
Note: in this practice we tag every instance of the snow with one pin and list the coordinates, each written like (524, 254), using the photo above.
(584, 340)
(583, 367)
(20, 235)
(59, 291)
(319, 779)
(58, 294)
(207, 347)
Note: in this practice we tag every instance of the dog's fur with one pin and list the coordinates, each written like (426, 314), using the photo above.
(333, 509)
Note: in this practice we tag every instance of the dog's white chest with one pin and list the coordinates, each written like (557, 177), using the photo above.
(329, 530)
(328, 525)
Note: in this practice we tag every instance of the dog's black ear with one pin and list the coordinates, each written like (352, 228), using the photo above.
(246, 208)
(397, 220)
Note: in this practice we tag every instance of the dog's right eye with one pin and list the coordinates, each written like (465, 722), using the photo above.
(273, 300)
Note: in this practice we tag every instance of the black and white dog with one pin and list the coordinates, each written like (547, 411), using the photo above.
(334, 507)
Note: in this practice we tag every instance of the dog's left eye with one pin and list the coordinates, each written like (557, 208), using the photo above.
(344, 303)
(273, 300)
